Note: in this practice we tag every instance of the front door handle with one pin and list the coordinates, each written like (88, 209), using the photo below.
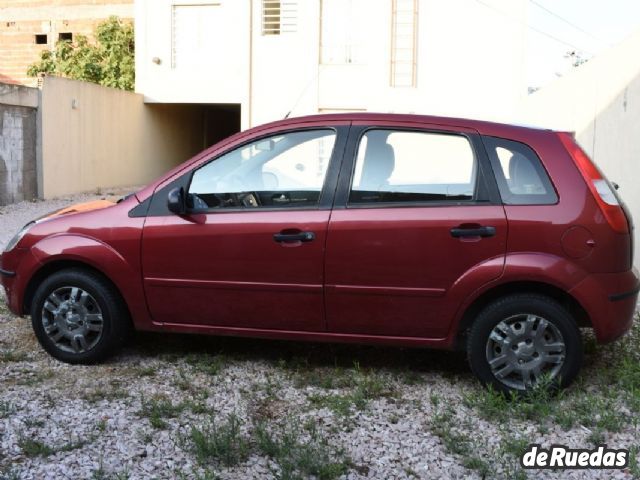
(294, 237)
(479, 231)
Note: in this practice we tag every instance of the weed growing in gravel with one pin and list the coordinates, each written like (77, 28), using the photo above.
(148, 371)
(209, 364)
(6, 409)
(183, 382)
(634, 462)
(492, 405)
(10, 474)
(219, 443)
(102, 474)
(4, 309)
(31, 378)
(327, 378)
(444, 424)
(158, 409)
(33, 422)
(99, 394)
(7, 356)
(301, 452)
(364, 388)
(458, 437)
(101, 425)
(35, 448)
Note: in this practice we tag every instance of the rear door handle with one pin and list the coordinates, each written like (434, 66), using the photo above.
(459, 232)
(294, 237)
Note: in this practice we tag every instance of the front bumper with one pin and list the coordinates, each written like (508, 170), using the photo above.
(610, 300)
(14, 278)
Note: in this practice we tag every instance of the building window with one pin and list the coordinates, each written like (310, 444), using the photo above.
(344, 31)
(65, 37)
(41, 39)
(404, 40)
(191, 36)
(279, 16)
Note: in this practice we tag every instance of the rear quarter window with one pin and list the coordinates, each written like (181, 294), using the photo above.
(521, 178)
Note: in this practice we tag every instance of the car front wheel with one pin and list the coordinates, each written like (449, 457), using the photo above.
(78, 316)
(521, 341)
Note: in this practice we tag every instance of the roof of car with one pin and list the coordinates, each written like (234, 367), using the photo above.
(480, 125)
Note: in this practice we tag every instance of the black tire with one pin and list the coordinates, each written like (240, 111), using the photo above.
(510, 308)
(116, 324)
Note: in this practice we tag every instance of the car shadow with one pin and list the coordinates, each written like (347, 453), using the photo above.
(295, 354)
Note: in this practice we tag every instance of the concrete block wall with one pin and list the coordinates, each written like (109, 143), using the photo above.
(18, 177)
(18, 143)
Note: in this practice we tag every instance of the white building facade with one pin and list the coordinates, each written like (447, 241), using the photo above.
(270, 58)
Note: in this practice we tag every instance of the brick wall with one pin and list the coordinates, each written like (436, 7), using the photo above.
(22, 20)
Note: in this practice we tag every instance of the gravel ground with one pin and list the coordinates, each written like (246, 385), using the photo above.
(173, 406)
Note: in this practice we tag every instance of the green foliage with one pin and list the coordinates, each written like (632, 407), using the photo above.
(223, 443)
(109, 61)
(301, 452)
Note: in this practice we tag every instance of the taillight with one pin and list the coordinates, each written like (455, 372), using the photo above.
(600, 187)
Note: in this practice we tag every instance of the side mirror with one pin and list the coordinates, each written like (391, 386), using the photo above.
(176, 201)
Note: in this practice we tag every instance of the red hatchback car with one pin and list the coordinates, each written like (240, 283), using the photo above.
(389, 229)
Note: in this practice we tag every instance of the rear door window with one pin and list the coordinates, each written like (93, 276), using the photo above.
(410, 166)
(521, 178)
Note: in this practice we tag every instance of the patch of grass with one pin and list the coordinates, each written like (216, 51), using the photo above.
(326, 378)
(34, 422)
(301, 453)
(4, 308)
(101, 425)
(148, 371)
(100, 394)
(6, 409)
(183, 382)
(634, 463)
(158, 409)
(338, 404)
(10, 474)
(30, 379)
(537, 405)
(458, 438)
(219, 443)
(411, 378)
(592, 411)
(367, 387)
(9, 356)
(443, 424)
(208, 364)
(34, 448)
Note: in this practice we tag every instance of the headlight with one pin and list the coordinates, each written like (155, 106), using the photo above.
(18, 236)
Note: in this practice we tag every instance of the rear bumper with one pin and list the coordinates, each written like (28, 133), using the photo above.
(610, 301)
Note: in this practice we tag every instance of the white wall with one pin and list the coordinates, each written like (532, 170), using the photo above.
(216, 71)
(470, 59)
(600, 101)
(111, 138)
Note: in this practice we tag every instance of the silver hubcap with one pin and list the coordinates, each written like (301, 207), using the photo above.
(72, 319)
(522, 348)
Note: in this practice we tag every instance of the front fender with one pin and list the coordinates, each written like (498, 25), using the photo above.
(123, 272)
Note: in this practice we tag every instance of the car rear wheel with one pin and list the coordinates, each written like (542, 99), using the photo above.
(78, 316)
(522, 341)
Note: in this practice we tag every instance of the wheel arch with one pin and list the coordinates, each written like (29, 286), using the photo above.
(572, 305)
(58, 265)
